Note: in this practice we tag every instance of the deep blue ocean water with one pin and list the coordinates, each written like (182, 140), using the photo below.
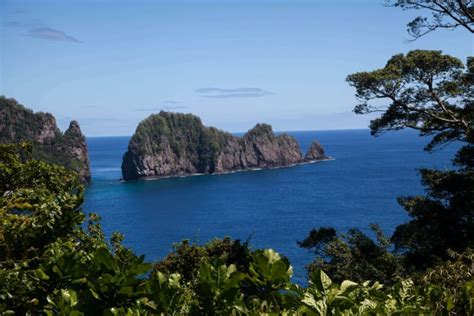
(274, 208)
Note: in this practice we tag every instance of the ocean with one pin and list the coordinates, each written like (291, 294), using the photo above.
(272, 208)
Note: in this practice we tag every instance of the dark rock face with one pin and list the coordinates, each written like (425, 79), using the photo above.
(315, 152)
(174, 144)
(74, 143)
(18, 123)
(259, 148)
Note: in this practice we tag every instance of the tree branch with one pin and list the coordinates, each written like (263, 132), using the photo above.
(465, 10)
(448, 12)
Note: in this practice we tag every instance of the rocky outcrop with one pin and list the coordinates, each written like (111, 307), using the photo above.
(18, 123)
(173, 144)
(259, 148)
(315, 152)
(74, 143)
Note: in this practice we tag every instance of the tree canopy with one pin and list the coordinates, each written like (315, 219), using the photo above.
(424, 90)
(443, 14)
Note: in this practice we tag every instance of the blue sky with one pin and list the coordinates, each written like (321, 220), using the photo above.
(110, 63)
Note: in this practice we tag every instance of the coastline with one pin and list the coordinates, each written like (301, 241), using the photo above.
(155, 178)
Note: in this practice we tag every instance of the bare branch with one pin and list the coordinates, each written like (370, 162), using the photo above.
(448, 11)
(465, 10)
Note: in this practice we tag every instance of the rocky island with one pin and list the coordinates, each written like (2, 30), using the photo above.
(174, 144)
(69, 149)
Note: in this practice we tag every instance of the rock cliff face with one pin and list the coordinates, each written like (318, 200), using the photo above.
(173, 144)
(18, 123)
(74, 144)
(315, 152)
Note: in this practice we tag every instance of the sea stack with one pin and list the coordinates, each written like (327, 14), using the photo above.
(74, 143)
(315, 152)
(174, 144)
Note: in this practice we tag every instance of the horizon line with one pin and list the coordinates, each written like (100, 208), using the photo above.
(286, 131)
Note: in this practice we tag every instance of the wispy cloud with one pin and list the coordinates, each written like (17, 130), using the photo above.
(51, 34)
(19, 24)
(232, 93)
(41, 31)
(19, 11)
(168, 105)
(170, 102)
(178, 107)
(147, 109)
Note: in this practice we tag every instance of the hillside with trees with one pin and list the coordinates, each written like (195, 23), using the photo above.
(68, 149)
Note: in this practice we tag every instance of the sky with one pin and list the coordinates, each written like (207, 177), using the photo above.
(111, 63)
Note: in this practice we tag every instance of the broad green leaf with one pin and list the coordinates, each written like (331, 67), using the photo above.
(41, 274)
(347, 286)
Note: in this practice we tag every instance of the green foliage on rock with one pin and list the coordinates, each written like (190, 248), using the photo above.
(175, 144)
(183, 134)
(68, 149)
(54, 263)
(258, 131)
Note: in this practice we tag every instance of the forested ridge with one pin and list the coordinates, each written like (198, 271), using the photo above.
(69, 149)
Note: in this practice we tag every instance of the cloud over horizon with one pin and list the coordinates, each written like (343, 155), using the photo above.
(163, 108)
(232, 93)
(51, 34)
(41, 31)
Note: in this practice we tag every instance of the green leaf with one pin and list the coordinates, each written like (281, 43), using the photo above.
(321, 280)
(319, 306)
(41, 274)
(104, 257)
(69, 296)
(94, 294)
(348, 286)
(128, 291)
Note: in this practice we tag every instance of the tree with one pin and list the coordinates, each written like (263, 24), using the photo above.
(445, 14)
(432, 93)
(186, 257)
(353, 256)
(424, 90)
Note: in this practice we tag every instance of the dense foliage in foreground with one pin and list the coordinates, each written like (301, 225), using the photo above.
(51, 263)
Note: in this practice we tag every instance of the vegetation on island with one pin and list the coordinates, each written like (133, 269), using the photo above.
(171, 144)
(19, 123)
(185, 135)
(56, 260)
